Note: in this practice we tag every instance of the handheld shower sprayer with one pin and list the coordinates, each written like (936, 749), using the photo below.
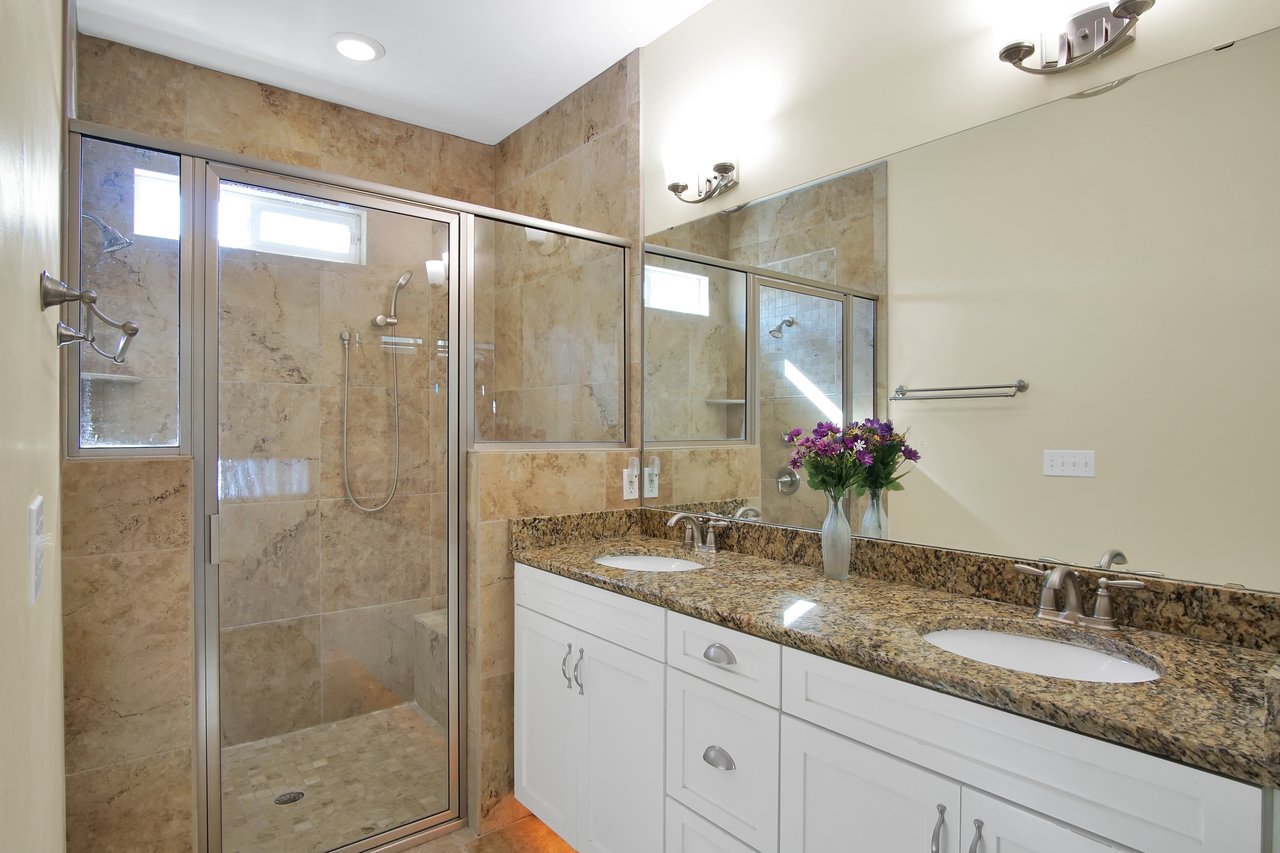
(389, 318)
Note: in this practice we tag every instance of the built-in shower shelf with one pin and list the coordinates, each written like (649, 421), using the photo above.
(725, 402)
(111, 377)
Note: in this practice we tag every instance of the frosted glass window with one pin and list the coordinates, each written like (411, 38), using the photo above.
(676, 290)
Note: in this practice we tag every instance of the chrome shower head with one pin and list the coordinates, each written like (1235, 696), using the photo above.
(112, 240)
(389, 318)
(776, 331)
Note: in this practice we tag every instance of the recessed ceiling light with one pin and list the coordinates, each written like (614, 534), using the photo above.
(357, 47)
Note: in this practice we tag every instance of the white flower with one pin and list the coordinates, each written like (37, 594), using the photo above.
(859, 445)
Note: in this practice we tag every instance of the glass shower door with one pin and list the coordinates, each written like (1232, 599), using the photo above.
(336, 705)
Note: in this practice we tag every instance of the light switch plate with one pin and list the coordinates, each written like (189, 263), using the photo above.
(1069, 463)
(35, 549)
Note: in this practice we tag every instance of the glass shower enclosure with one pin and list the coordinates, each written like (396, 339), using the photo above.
(328, 391)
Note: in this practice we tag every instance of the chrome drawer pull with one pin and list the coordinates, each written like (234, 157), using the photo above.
(977, 836)
(718, 758)
(564, 666)
(577, 670)
(936, 845)
(719, 654)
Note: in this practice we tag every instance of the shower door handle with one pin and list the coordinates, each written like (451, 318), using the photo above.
(564, 666)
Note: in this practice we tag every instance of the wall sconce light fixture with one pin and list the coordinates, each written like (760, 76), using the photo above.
(1090, 35)
(544, 242)
(726, 178)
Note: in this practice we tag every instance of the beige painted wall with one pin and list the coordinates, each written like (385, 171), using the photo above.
(797, 91)
(31, 790)
(1119, 253)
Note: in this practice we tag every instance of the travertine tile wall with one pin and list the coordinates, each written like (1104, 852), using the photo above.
(129, 88)
(318, 599)
(552, 359)
(127, 647)
(577, 163)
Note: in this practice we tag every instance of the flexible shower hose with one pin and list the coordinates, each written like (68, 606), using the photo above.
(395, 406)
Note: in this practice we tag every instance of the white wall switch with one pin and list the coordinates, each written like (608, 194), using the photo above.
(35, 549)
(1069, 463)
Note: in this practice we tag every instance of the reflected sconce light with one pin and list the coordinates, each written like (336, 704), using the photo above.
(544, 242)
(726, 178)
(1089, 36)
(438, 271)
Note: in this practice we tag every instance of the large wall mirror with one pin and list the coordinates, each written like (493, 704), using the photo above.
(1119, 252)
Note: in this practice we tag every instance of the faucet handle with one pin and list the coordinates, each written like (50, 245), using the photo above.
(1030, 570)
(711, 526)
(1102, 604)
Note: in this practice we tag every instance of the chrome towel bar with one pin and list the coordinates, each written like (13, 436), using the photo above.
(903, 394)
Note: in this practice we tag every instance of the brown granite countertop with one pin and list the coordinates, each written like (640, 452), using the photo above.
(1207, 710)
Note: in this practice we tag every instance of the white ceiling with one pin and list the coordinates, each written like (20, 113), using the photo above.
(476, 68)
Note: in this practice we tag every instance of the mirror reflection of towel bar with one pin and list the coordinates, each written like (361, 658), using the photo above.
(903, 394)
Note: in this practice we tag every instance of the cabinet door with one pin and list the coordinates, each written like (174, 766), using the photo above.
(838, 795)
(548, 712)
(620, 747)
(1009, 829)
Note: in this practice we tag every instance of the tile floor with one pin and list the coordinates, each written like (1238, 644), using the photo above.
(524, 836)
(360, 776)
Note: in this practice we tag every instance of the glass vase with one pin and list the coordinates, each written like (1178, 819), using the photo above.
(837, 540)
(875, 523)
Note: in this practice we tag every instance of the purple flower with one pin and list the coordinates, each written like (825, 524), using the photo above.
(824, 429)
(794, 434)
(910, 453)
(864, 457)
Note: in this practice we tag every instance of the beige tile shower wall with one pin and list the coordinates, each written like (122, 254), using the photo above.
(577, 163)
(301, 563)
(127, 647)
(132, 89)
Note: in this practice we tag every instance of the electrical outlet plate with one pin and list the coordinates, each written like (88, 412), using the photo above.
(630, 484)
(649, 483)
(35, 549)
(1069, 463)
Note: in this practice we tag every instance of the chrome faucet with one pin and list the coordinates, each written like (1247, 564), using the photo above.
(1060, 577)
(1112, 557)
(746, 511)
(1067, 580)
(699, 533)
(692, 528)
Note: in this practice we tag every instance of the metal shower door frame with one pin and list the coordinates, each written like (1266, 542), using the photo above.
(202, 219)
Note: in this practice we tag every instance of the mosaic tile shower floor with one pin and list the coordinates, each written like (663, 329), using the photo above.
(360, 776)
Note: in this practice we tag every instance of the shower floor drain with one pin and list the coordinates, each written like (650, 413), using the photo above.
(289, 798)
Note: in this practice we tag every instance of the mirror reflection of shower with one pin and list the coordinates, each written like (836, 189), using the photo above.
(112, 239)
(776, 331)
(380, 321)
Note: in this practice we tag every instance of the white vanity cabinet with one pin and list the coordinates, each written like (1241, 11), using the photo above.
(589, 715)
(764, 749)
(840, 795)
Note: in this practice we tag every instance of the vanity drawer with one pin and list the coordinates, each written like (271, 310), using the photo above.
(631, 624)
(689, 832)
(722, 758)
(745, 664)
(1138, 800)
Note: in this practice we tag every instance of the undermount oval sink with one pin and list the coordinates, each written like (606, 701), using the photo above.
(648, 563)
(1040, 656)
